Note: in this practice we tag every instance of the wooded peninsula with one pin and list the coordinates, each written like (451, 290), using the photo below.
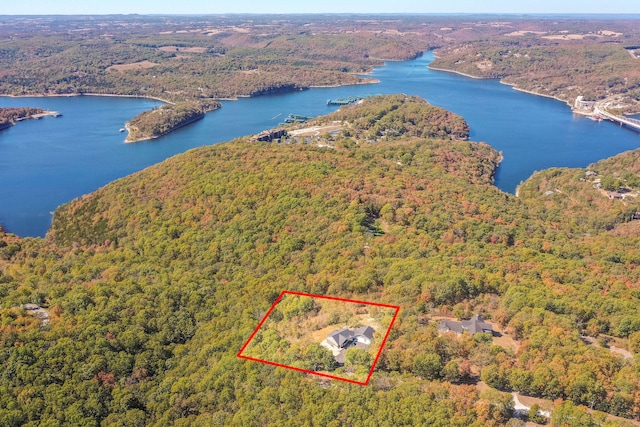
(132, 310)
(160, 121)
(9, 116)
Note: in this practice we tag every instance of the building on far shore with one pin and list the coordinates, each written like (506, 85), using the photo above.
(474, 326)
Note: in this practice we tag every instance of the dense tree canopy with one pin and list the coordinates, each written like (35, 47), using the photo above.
(160, 121)
(154, 282)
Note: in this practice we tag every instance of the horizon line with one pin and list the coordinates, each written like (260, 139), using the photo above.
(334, 14)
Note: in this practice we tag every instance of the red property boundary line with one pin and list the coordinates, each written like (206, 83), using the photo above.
(306, 371)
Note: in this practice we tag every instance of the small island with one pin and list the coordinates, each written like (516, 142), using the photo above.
(160, 121)
(9, 116)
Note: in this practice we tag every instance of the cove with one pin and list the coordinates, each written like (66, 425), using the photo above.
(48, 162)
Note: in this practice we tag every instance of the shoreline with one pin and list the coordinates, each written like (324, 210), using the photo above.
(154, 98)
(364, 81)
(149, 138)
(530, 92)
(513, 86)
(460, 73)
(367, 81)
(72, 95)
(127, 141)
(126, 125)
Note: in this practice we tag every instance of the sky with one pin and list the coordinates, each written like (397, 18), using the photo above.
(72, 7)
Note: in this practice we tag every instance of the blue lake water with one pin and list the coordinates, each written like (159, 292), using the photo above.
(48, 162)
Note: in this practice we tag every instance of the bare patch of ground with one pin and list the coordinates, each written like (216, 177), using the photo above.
(529, 401)
(38, 312)
(525, 32)
(612, 348)
(183, 49)
(621, 351)
(316, 130)
(135, 66)
(631, 228)
(214, 31)
(484, 65)
(568, 36)
(506, 341)
(395, 32)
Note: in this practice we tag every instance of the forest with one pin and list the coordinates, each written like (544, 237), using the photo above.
(153, 283)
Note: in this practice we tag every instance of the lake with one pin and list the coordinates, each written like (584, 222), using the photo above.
(48, 162)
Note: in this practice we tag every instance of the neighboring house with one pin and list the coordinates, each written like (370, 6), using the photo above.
(345, 337)
(615, 195)
(474, 325)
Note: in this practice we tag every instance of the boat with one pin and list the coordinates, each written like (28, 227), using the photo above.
(122, 129)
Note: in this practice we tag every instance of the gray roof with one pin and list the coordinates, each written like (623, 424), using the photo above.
(365, 331)
(339, 337)
(474, 325)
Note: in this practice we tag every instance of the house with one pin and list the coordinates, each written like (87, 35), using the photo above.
(364, 334)
(615, 195)
(340, 338)
(474, 325)
(345, 337)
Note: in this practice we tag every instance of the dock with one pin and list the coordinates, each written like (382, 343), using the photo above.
(45, 114)
(296, 118)
(346, 101)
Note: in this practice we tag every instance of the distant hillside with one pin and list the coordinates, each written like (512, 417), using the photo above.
(602, 196)
(154, 282)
